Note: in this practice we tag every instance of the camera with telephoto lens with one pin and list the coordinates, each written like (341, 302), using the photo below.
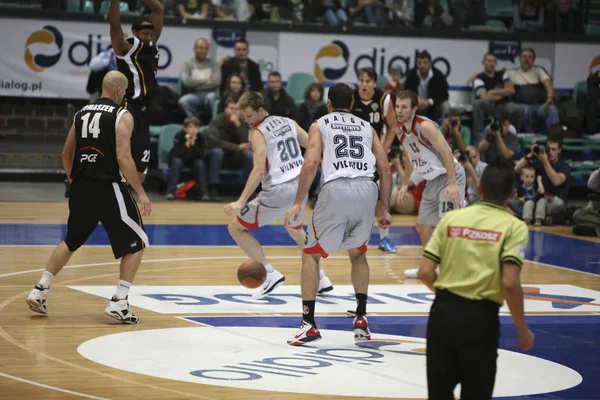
(494, 126)
(453, 123)
(463, 156)
(539, 148)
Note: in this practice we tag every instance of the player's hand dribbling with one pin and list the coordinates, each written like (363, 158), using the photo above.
(292, 213)
(231, 207)
(454, 194)
(526, 340)
(146, 206)
(384, 219)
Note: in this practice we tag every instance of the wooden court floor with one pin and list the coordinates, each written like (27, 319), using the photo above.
(39, 355)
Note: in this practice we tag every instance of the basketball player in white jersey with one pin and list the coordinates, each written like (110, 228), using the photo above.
(349, 151)
(276, 145)
(427, 153)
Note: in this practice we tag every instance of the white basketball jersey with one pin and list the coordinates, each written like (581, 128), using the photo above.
(425, 160)
(347, 143)
(284, 159)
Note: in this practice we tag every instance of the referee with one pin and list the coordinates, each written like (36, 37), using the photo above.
(480, 250)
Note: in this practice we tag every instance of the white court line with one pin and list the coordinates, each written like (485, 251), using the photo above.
(186, 259)
(16, 378)
(175, 245)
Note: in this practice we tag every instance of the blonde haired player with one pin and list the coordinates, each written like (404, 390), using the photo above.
(426, 151)
(276, 145)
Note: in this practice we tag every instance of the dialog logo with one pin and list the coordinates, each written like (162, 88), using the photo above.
(331, 61)
(34, 58)
(258, 358)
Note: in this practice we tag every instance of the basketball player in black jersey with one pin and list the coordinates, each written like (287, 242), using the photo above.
(375, 106)
(97, 160)
(137, 59)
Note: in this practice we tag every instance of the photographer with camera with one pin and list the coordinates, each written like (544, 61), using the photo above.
(455, 135)
(474, 167)
(500, 140)
(555, 173)
(587, 220)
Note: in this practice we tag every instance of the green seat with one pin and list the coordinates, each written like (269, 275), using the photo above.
(580, 94)
(155, 131)
(88, 7)
(105, 7)
(215, 109)
(179, 87)
(592, 30)
(165, 143)
(496, 23)
(574, 144)
(593, 144)
(73, 5)
(444, 5)
(499, 8)
(297, 83)
(204, 130)
(381, 81)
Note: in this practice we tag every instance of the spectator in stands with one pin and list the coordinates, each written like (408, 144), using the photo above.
(367, 11)
(492, 90)
(240, 64)
(430, 14)
(500, 141)
(593, 101)
(278, 102)
(313, 107)
(200, 77)
(529, 200)
(193, 9)
(332, 13)
(587, 219)
(555, 174)
(467, 13)
(395, 84)
(401, 13)
(431, 86)
(189, 150)
(478, 166)
(228, 135)
(455, 135)
(534, 92)
(565, 19)
(233, 9)
(528, 15)
(234, 88)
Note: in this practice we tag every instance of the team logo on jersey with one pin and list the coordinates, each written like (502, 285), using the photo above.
(48, 35)
(454, 232)
(474, 234)
(331, 61)
(374, 106)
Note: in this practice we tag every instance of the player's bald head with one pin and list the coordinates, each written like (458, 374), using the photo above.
(114, 85)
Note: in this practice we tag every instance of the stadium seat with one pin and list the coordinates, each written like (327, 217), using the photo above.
(165, 143)
(593, 30)
(204, 130)
(216, 107)
(297, 83)
(179, 87)
(499, 8)
(580, 94)
(444, 5)
(105, 7)
(88, 7)
(73, 5)
(155, 131)
(381, 81)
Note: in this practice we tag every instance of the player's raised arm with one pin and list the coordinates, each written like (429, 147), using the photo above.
(385, 181)
(69, 151)
(157, 17)
(259, 150)
(302, 136)
(117, 39)
(125, 160)
(433, 135)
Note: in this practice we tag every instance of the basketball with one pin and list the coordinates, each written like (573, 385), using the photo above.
(251, 274)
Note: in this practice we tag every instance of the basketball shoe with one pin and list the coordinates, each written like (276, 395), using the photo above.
(387, 246)
(272, 281)
(414, 272)
(119, 310)
(306, 334)
(325, 285)
(361, 327)
(37, 299)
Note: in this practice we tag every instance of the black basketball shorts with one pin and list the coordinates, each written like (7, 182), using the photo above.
(140, 139)
(93, 201)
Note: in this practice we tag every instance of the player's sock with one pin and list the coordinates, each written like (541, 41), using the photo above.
(269, 268)
(321, 274)
(122, 290)
(308, 311)
(383, 233)
(361, 308)
(46, 279)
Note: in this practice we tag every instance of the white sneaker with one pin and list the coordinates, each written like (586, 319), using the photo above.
(272, 281)
(414, 273)
(325, 285)
(119, 310)
(37, 299)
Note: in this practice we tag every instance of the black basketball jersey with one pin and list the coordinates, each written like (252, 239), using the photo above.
(139, 65)
(95, 138)
(372, 110)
